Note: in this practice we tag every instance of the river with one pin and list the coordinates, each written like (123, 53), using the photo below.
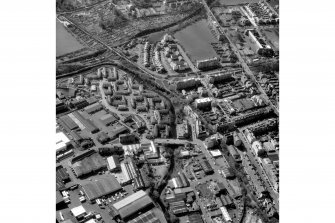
(65, 42)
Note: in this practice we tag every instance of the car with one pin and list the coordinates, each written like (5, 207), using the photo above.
(113, 198)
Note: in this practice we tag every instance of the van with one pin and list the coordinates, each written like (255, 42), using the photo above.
(98, 202)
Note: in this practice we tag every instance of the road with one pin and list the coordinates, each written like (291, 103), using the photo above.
(242, 61)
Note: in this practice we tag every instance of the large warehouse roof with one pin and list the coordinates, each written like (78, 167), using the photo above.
(88, 165)
(103, 186)
(132, 204)
(129, 199)
(147, 217)
(93, 108)
(68, 122)
(107, 119)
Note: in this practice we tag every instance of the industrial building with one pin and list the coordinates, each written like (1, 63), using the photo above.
(121, 130)
(132, 204)
(88, 165)
(101, 187)
(114, 163)
(91, 109)
(107, 119)
(148, 217)
(89, 125)
(67, 123)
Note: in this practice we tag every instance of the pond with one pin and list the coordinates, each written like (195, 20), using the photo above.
(65, 42)
(196, 39)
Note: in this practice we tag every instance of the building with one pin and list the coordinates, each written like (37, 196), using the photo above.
(150, 150)
(148, 217)
(206, 166)
(78, 212)
(102, 187)
(225, 214)
(107, 119)
(127, 138)
(207, 63)
(86, 123)
(88, 164)
(175, 4)
(216, 153)
(122, 129)
(103, 137)
(114, 163)
(63, 146)
(211, 142)
(202, 103)
(182, 130)
(62, 142)
(188, 83)
(67, 123)
(132, 204)
(218, 77)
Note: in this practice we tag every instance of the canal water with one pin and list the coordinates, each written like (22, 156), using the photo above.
(65, 42)
(196, 40)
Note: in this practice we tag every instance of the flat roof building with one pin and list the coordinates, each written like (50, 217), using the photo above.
(62, 142)
(78, 212)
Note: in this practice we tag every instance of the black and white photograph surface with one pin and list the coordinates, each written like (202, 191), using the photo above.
(167, 111)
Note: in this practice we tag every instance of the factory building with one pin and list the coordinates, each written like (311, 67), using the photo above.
(132, 204)
(89, 125)
(102, 187)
